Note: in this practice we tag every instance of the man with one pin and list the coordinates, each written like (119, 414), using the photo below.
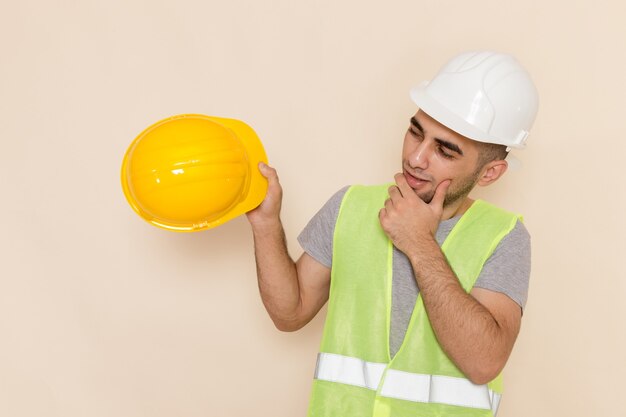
(425, 285)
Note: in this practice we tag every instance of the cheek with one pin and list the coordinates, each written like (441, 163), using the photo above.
(406, 148)
(443, 169)
(463, 180)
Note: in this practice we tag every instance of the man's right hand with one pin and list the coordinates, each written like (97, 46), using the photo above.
(268, 212)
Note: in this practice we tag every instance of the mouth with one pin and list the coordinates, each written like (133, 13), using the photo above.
(415, 181)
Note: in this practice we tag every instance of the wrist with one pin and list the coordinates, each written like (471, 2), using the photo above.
(266, 226)
(425, 251)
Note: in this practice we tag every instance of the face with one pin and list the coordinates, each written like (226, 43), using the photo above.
(432, 153)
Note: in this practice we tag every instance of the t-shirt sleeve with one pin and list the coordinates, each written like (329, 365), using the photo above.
(508, 269)
(317, 236)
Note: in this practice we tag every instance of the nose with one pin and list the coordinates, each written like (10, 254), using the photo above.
(420, 156)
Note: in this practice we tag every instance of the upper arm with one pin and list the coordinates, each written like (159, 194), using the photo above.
(507, 270)
(314, 283)
(314, 265)
(502, 285)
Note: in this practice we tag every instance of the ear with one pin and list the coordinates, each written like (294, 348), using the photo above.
(491, 172)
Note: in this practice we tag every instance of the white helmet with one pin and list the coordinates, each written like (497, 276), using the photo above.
(485, 96)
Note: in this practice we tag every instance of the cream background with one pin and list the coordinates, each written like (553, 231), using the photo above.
(102, 314)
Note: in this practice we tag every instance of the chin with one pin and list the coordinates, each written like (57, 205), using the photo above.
(426, 196)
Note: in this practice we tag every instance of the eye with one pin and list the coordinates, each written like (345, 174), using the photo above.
(415, 133)
(442, 151)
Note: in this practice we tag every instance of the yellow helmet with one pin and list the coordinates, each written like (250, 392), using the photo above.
(193, 172)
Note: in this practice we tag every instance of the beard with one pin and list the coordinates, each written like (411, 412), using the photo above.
(456, 192)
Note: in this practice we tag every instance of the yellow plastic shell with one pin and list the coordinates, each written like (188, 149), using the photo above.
(192, 172)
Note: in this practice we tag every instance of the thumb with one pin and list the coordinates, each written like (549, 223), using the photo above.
(273, 183)
(268, 172)
(440, 194)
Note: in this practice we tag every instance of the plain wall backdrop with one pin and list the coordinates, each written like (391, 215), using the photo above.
(103, 315)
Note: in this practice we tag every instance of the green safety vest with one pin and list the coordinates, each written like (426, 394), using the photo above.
(355, 374)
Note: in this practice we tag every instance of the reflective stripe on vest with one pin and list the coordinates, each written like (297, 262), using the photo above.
(402, 385)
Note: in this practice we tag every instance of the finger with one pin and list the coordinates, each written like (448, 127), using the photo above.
(394, 192)
(440, 194)
(403, 185)
(388, 205)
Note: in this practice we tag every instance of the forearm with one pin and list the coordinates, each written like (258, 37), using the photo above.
(277, 274)
(465, 329)
(292, 292)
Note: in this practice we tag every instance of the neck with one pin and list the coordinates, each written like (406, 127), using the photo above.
(456, 208)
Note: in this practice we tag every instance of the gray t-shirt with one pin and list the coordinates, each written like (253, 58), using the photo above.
(507, 270)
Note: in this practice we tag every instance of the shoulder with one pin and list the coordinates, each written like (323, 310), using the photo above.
(363, 197)
(514, 248)
(508, 269)
(317, 236)
(356, 193)
(335, 200)
(518, 234)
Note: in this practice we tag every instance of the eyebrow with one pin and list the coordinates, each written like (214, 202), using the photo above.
(446, 144)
